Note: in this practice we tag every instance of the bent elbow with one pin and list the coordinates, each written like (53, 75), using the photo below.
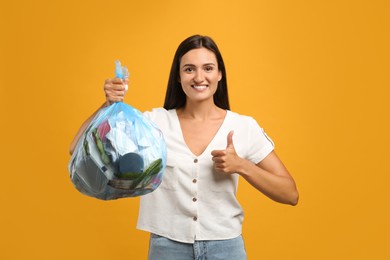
(293, 201)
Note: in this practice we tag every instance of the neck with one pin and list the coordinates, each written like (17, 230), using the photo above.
(200, 111)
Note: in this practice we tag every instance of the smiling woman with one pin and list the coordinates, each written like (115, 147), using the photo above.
(204, 161)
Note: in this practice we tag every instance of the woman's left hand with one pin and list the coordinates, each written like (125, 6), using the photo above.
(227, 161)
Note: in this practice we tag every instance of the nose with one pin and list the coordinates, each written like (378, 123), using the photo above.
(198, 77)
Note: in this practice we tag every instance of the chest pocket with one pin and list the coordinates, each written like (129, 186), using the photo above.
(170, 179)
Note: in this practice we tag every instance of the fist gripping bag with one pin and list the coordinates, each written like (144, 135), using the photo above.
(121, 154)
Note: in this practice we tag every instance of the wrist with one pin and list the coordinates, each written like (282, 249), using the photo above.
(105, 104)
(243, 168)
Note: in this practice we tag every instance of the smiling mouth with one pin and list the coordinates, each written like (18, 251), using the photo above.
(199, 87)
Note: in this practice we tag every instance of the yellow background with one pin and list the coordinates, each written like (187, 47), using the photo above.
(315, 74)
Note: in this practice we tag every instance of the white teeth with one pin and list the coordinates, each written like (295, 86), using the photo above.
(200, 87)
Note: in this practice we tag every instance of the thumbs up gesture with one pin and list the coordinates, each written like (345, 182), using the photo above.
(227, 161)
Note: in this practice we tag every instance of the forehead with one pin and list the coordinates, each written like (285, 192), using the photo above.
(198, 57)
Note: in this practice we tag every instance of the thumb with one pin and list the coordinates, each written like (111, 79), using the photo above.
(230, 139)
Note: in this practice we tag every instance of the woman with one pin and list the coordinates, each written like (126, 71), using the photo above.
(194, 213)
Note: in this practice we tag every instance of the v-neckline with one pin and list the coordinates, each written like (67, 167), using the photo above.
(208, 145)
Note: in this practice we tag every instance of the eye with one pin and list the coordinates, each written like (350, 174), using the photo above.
(209, 68)
(188, 69)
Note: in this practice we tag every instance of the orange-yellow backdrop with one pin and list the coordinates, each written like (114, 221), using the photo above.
(315, 74)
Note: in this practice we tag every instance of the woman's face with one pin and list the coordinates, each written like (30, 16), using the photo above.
(199, 74)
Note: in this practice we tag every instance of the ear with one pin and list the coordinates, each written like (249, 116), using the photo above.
(219, 75)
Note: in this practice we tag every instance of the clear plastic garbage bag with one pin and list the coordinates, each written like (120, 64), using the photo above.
(121, 154)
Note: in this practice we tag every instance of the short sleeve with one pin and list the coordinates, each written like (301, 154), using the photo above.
(150, 114)
(155, 114)
(259, 144)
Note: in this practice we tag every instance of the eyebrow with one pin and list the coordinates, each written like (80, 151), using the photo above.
(192, 65)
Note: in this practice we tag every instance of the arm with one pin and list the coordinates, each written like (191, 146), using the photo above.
(115, 90)
(269, 176)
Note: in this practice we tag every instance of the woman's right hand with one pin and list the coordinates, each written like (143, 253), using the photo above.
(115, 90)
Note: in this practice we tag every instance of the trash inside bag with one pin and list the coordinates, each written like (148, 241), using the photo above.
(121, 154)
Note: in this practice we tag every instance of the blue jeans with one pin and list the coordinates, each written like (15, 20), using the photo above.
(161, 248)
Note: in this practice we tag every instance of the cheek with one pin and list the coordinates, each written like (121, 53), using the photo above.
(215, 78)
(184, 78)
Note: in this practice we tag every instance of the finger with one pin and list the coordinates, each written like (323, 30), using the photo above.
(218, 160)
(230, 139)
(220, 168)
(115, 93)
(114, 96)
(117, 81)
(114, 87)
(217, 166)
(113, 81)
(218, 153)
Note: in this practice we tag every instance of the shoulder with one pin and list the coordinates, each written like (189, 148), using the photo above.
(160, 114)
(240, 118)
(158, 111)
(253, 142)
(247, 125)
